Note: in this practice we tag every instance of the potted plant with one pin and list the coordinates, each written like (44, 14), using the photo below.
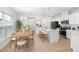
(19, 24)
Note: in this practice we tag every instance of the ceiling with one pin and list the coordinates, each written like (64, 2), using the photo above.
(40, 11)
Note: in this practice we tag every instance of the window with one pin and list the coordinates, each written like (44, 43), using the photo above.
(6, 27)
(0, 16)
(7, 19)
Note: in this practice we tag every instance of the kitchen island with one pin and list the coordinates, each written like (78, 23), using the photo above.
(73, 35)
(52, 35)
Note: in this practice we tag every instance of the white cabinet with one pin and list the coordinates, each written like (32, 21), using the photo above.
(74, 40)
(74, 18)
(53, 35)
(73, 35)
(71, 19)
(68, 33)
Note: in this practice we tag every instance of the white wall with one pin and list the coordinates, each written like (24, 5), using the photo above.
(42, 20)
(6, 31)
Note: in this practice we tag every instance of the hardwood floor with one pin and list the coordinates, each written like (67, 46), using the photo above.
(63, 45)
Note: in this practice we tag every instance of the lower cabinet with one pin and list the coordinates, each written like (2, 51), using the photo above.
(68, 33)
(73, 35)
(53, 35)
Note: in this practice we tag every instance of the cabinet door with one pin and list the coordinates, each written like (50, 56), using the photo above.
(76, 18)
(72, 19)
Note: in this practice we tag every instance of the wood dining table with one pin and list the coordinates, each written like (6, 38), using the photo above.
(22, 34)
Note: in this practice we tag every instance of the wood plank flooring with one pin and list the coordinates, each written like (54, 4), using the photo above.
(63, 45)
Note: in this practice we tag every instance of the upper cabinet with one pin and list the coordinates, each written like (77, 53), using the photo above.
(71, 19)
(74, 18)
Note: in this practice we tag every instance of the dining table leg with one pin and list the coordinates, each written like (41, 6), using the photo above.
(15, 47)
(10, 44)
